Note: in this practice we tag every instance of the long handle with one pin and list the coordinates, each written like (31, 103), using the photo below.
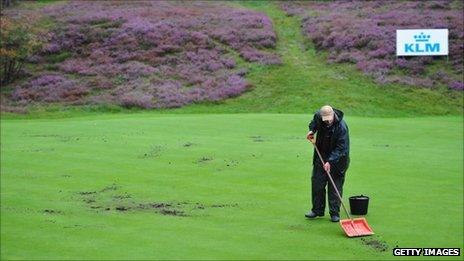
(333, 183)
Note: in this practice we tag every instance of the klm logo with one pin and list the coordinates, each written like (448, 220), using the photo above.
(422, 45)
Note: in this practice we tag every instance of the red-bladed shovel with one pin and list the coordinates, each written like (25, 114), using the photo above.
(353, 227)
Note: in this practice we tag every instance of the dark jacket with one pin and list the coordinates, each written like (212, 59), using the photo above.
(339, 149)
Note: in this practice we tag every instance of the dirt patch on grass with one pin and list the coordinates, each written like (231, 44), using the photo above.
(106, 199)
(159, 207)
(204, 159)
(153, 152)
(156, 205)
(52, 211)
(257, 138)
(162, 208)
(109, 188)
(172, 212)
(123, 196)
(122, 208)
(376, 244)
(89, 200)
(87, 192)
(231, 163)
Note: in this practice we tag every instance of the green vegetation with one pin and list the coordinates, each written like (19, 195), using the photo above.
(249, 174)
(16, 44)
(59, 57)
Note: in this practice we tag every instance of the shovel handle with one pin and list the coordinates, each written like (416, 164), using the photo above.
(333, 183)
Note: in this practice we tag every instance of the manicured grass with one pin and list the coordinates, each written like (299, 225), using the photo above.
(242, 180)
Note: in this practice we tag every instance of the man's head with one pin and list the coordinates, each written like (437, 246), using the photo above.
(327, 114)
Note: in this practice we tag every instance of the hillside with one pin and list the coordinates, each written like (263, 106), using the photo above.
(364, 33)
(300, 83)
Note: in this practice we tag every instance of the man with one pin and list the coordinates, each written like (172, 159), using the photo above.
(334, 144)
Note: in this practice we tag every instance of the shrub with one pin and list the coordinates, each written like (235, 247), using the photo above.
(49, 88)
(175, 53)
(456, 85)
(364, 33)
(16, 44)
(137, 99)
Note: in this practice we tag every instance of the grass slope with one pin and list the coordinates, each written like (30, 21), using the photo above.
(242, 179)
(303, 83)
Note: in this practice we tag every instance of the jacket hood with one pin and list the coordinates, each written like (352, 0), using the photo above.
(338, 115)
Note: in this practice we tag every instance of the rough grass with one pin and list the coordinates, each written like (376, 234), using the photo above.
(220, 187)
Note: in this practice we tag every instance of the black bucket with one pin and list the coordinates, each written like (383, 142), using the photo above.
(359, 204)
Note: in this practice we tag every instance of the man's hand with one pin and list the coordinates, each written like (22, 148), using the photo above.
(327, 167)
(310, 136)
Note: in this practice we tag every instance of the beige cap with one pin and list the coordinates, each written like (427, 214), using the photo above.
(327, 113)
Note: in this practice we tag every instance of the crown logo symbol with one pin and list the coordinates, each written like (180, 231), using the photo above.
(421, 37)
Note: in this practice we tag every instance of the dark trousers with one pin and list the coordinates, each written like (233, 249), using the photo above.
(319, 180)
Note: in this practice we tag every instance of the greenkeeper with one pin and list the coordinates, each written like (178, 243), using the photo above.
(334, 144)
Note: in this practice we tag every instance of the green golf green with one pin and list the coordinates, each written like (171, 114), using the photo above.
(220, 186)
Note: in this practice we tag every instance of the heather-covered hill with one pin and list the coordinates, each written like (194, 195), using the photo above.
(364, 33)
(144, 53)
(216, 57)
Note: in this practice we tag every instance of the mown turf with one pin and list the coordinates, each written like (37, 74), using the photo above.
(239, 182)
(302, 84)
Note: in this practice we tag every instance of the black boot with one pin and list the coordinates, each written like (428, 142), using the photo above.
(334, 218)
(311, 214)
